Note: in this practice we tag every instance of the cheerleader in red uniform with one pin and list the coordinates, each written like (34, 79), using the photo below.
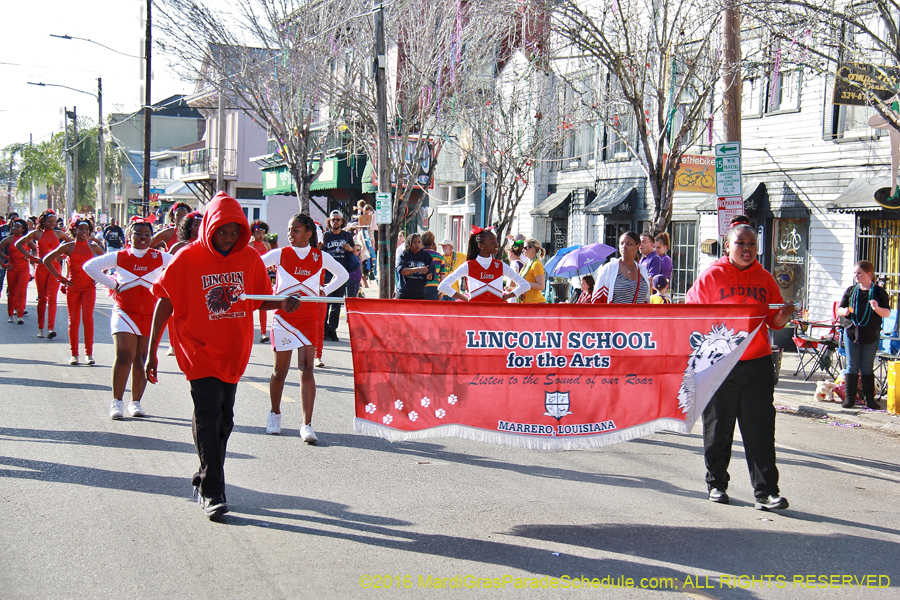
(188, 231)
(48, 238)
(259, 229)
(17, 271)
(484, 272)
(299, 271)
(81, 291)
(168, 237)
(137, 268)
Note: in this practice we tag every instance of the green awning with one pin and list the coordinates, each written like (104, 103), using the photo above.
(337, 173)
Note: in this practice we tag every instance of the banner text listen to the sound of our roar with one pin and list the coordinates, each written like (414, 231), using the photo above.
(539, 376)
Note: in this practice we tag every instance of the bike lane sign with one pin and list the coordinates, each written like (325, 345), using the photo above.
(728, 169)
(729, 208)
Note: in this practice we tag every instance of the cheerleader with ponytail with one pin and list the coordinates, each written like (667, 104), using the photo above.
(484, 272)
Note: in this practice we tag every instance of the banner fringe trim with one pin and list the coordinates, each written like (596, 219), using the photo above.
(529, 442)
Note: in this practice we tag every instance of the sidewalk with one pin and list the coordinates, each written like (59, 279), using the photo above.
(794, 393)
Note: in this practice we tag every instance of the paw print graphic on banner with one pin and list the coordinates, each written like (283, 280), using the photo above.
(398, 404)
(370, 408)
(387, 419)
(440, 413)
(426, 402)
(413, 416)
(452, 398)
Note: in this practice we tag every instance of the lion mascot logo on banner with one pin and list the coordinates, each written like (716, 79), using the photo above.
(707, 350)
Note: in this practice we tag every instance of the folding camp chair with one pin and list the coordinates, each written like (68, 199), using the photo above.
(888, 351)
(817, 342)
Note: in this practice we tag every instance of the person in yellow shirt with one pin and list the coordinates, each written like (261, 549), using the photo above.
(453, 260)
(661, 291)
(533, 272)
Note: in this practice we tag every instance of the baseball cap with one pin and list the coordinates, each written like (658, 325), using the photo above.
(660, 282)
(447, 242)
(335, 213)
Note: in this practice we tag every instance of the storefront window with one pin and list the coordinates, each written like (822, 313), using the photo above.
(789, 249)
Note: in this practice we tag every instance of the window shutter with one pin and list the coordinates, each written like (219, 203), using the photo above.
(829, 110)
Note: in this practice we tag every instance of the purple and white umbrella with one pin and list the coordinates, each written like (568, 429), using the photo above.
(582, 261)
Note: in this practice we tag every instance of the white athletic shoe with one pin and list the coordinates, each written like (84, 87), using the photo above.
(73, 360)
(115, 410)
(273, 423)
(135, 410)
(89, 359)
(308, 435)
(171, 351)
(40, 333)
(10, 319)
(319, 363)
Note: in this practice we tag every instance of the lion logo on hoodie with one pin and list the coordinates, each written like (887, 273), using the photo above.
(707, 350)
(220, 298)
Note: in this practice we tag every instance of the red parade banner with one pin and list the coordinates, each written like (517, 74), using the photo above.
(542, 376)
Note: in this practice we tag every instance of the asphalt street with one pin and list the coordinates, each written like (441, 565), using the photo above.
(93, 508)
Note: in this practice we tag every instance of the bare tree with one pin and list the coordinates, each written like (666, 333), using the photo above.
(438, 51)
(854, 44)
(506, 132)
(276, 60)
(657, 65)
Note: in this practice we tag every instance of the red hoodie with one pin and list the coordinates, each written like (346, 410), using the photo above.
(723, 283)
(213, 330)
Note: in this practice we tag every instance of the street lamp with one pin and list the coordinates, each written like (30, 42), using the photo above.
(100, 150)
(147, 107)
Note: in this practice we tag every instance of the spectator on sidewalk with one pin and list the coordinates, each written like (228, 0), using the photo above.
(338, 243)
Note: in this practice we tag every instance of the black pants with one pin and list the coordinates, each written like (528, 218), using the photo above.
(334, 310)
(746, 395)
(211, 425)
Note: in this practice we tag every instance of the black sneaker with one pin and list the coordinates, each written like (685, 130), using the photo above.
(771, 503)
(884, 198)
(213, 507)
(718, 496)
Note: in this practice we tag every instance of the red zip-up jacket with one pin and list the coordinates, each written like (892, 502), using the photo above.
(723, 283)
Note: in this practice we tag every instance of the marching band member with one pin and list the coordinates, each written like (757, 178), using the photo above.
(81, 291)
(17, 271)
(259, 229)
(484, 272)
(47, 238)
(136, 268)
(299, 271)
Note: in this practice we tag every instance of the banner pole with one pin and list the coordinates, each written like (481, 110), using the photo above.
(313, 299)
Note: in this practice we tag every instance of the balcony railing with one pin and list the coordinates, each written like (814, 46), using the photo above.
(199, 164)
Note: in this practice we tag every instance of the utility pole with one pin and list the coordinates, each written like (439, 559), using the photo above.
(731, 67)
(31, 206)
(385, 272)
(220, 135)
(74, 207)
(68, 151)
(145, 203)
(9, 176)
(100, 145)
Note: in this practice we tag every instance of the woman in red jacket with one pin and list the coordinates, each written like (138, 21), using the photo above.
(81, 290)
(47, 238)
(747, 394)
(17, 271)
(259, 229)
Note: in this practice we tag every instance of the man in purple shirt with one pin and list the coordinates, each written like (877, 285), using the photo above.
(650, 257)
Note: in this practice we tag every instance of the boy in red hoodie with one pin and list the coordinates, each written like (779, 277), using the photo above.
(747, 394)
(213, 332)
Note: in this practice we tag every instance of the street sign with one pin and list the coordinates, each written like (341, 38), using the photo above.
(728, 169)
(383, 209)
(729, 208)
